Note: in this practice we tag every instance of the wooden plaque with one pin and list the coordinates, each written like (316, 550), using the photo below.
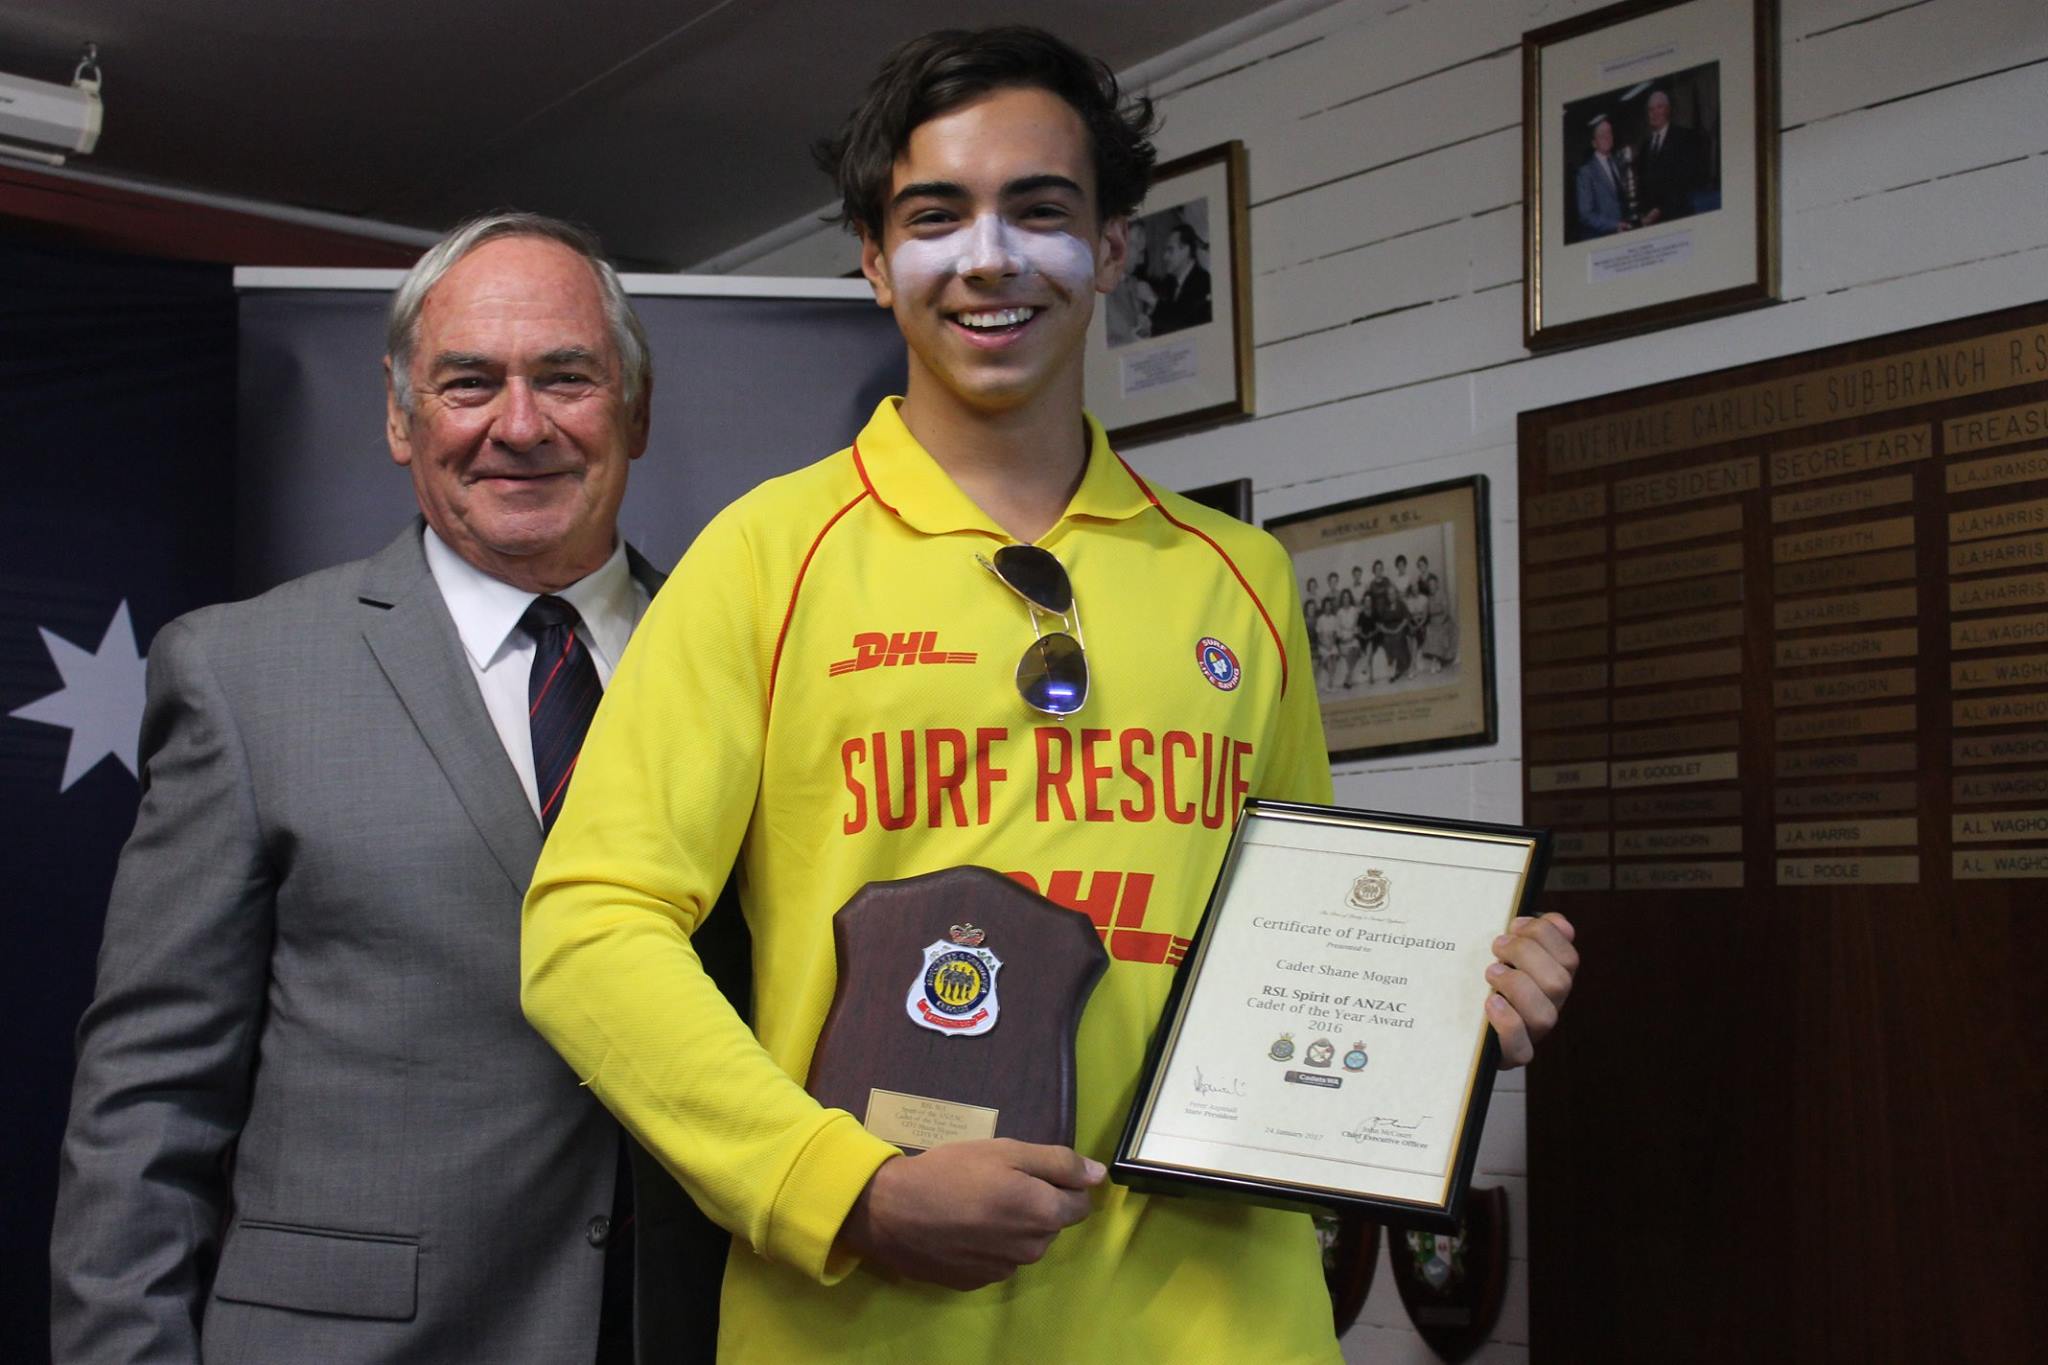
(1884, 566)
(1983, 556)
(1999, 427)
(1826, 579)
(921, 1085)
(1686, 594)
(2028, 466)
(1707, 559)
(1988, 594)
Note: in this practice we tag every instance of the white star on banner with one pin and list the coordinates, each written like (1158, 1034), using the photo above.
(100, 702)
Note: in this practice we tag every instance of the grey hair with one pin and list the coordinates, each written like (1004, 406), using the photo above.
(402, 329)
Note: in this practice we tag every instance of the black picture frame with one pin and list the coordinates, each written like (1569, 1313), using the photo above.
(1461, 708)
(1130, 1169)
(1232, 497)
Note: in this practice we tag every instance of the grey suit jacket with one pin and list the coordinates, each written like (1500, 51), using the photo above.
(1599, 199)
(309, 1121)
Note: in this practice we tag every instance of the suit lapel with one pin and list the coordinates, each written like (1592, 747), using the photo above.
(644, 573)
(409, 630)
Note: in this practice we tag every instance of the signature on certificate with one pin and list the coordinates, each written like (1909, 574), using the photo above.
(1204, 1086)
(1379, 1126)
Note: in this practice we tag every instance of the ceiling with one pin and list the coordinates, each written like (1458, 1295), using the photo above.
(678, 129)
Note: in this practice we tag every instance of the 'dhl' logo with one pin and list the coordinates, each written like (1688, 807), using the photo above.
(875, 649)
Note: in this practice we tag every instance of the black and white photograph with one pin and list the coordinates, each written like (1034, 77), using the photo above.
(1170, 347)
(1167, 277)
(1395, 593)
(1382, 616)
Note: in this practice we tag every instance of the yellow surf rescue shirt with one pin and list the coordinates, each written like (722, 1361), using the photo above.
(824, 692)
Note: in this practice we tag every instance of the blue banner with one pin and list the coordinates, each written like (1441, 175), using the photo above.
(117, 398)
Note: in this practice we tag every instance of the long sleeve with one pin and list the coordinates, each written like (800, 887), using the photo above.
(664, 790)
(166, 1049)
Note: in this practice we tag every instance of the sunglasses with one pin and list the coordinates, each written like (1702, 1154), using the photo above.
(1052, 677)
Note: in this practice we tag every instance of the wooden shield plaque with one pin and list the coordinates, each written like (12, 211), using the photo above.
(1453, 1284)
(954, 1017)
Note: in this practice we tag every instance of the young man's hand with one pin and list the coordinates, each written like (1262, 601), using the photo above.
(969, 1213)
(1530, 982)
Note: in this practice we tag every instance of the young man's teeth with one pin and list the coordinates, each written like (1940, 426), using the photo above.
(1001, 317)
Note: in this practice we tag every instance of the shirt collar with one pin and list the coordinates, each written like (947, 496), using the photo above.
(907, 481)
(487, 609)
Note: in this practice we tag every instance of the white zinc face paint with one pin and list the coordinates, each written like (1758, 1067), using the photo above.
(991, 245)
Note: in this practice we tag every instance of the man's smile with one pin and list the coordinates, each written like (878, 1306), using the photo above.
(993, 326)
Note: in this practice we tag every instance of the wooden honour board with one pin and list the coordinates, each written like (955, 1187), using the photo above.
(1785, 703)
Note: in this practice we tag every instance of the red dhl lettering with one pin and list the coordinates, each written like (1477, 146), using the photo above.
(876, 649)
(1116, 902)
(939, 777)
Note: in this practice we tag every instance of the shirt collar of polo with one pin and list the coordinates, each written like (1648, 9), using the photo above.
(905, 479)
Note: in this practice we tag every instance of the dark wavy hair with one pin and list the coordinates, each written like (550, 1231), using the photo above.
(929, 76)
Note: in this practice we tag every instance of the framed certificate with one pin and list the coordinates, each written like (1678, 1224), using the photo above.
(1326, 1044)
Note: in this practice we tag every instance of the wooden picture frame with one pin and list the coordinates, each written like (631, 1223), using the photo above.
(1675, 217)
(1170, 349)
(1436, 641)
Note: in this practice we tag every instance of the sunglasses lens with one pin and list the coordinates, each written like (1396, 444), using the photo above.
(1053, 675)
(1037, 576)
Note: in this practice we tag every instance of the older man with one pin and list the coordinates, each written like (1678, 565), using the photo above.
(309, 1123)
(1673, 163)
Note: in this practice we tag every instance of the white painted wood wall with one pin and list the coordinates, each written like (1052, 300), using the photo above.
(1384, 141)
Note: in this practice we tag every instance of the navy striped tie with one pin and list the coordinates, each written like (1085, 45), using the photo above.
(562, 692)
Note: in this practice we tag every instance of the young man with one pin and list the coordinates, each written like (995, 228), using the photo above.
(828, 690)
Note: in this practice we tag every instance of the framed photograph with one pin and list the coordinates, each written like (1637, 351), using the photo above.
(1171, 348)
(1325, 1042)
(1398, 594)
(1232, 497)
(1649, 166)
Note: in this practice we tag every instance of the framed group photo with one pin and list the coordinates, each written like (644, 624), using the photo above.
(1398, 595)
(1170, 349)
(1650, 137)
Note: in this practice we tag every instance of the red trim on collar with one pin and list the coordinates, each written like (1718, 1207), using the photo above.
(789, 614)
(861, 467)
(1224, 555)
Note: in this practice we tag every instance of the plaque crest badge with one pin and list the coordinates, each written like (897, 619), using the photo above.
(955, 991)
(1370, 892)
(1355, 1059)
(1282, 1049)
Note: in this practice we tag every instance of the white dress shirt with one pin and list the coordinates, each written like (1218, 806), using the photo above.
(487, 611)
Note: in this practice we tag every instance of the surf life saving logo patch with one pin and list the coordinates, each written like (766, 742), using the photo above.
(1218, 664)
(955, 991)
